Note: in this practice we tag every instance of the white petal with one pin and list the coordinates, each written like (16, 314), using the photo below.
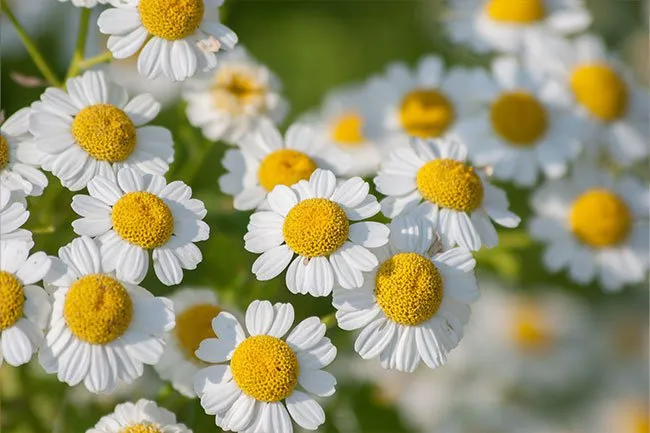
(282, 199)
(369, 234)
(259, 317)
(270, 264)
(318, 382)
(305, 411)
(306, 334)
(322, 182)
(374, 338)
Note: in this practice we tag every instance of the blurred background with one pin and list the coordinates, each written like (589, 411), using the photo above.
(541, 355)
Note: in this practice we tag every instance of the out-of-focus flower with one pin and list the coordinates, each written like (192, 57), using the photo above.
(103, 329)
(313, 219)
(263, 370)
(94, 129)
(13, 214)
(136, 214)
(229, 103)
(266, 160)
(517, 131)
(89, 3)
(594, 226)
(620, 412)
(142, 417)
(431, 178)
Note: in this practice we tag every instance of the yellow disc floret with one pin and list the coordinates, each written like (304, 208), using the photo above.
(409, 288)
(12, 300)
(450, 184)
(238, 91)
(141, 428)
(347, 130)
(105, 132)
(97, 309)
(171, 19)
(600, 218)
(599, 89)
(316, 227)
(265, 368)
(530, 329)
(516, 11)
(519, 118)
(426, 113)
(4, 152)
(193, 326)
(143, 219)
(284, 167)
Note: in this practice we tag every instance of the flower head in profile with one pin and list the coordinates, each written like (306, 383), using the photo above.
(144, 416)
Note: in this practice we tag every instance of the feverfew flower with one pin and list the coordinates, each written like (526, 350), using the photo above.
(257, 388)
(142, 417)
(13, 214)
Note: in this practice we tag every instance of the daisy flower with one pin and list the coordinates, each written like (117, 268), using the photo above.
(19, 158)
(262, 370)
(414, 305)
(194, 309)
(506, 25)
(228, 104)
(88, 3)
(179, 36)
(582, 74)
(620, 411)
(102, 328)
(313, 220)
(432, 178)
(13, 214)
(137, 213)
(94, 129)
(594, 226)
(144, 416)
(25, 307)
(517, 131)
(265, 160)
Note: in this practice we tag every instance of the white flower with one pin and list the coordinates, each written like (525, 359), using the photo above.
(137, 213)
(313, 220)
(24, 307)
(94, 130)
(142, 417)
(263, 370)
(179, 37)
(517, 130)
(13, 214)
(19, 158)
(506, 25)
(194, 309)
(581, 73)
(124, 73)
(228, 104)
(265, 160)
(594, 226)
(432, 178)
(620, 410)
(89, 3)
(103, 329)
(414, 305)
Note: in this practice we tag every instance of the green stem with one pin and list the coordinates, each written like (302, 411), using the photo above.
(329, 320)
(80, 47)
(29, 44)
(96, 60)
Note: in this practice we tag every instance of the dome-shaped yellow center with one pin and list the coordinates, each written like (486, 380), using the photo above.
(516, 11)
(600, 89)
(105, 132)
(316, 227)
(347, 130)
(171, 19)
(409, 288)
(265, 368)
(600, 218)
(450, 184)
(530, 330)
(193, 326)
(12, 300)
(141, 428)
(143, 219)
(426, 113)
(284, 167)
(237, 91)
(97, 309)
(4, 152)
(519, 118)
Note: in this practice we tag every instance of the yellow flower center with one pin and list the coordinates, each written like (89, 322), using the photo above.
(426, 113)
(450, 184)
(265, 368)
(347, 130)
(284, 167)
(193, 326)
(530, 331)
(12, 300)
(235, 90)
(519, 118)
(409, 288)
(143, 219)
(141, 428)
(4, 152)
(316, 227)
(599, 89)
(641, 421)
(516, 11)
(97, 309)
(171, 19)
(600, 218)
(105, 132)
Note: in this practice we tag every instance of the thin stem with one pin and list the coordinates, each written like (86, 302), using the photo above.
(80, 47)
(96, 60)
(29, 44)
